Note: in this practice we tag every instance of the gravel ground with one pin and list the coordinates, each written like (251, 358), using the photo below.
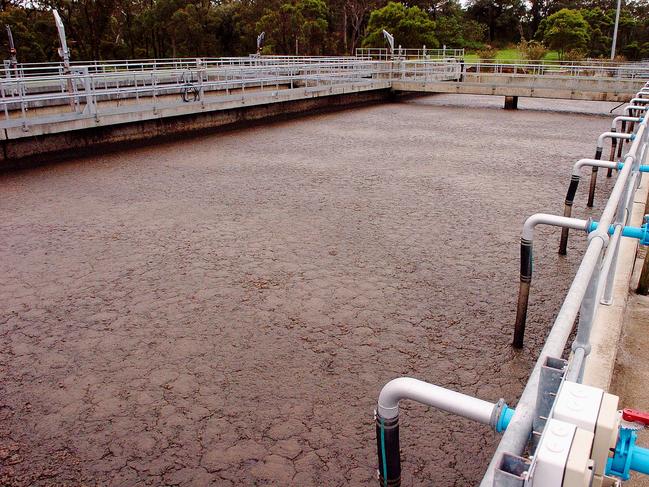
(224, 310)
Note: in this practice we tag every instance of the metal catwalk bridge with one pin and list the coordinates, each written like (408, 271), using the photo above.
(39, 99)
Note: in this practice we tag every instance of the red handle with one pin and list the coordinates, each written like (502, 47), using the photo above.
(635, 416)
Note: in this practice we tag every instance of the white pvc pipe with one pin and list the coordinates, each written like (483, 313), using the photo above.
(557, 221)
(432, 395)
(628, 108)
(611, 135)
(592, 162)
(624, 118)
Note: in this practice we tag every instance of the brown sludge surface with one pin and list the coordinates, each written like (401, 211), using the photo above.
(224, 310)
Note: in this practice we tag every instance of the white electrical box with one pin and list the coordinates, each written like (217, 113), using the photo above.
(579, 467)
(578, 404)
(593, 410)
(606, 432)
(551, 455)
(562, 458)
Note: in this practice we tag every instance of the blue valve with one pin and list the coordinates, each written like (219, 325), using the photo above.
(504, 419)
(641, 233)
(628, 456)
(643, 167)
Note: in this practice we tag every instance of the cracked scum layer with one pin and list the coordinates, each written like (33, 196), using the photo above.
(224, 310)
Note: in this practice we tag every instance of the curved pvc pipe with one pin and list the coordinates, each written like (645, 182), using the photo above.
(432, 395)
(527, 237)
(387, 418)
(593, 162)
(598, 156)
(554, 220)
(630, 108)
(624, 119)
(572, 190)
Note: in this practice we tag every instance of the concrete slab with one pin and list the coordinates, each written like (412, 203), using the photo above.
(631, 374)
(608, 323)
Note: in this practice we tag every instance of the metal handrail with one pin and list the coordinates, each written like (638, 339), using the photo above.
(31, 86)
(84, 90)
(29, 69)
(382, 53)
(589, 287)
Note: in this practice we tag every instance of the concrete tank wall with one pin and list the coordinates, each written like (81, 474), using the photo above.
(45, 148)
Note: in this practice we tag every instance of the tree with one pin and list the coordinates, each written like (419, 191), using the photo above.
(119, 29)
(303, 23)
(356, 13)
(314, 27)
(600, 30)
(565, 30)
(33, 37)
(503, 17)
(411, 27)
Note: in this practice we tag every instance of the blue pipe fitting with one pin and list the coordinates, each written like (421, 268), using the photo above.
(504, 419)
(628, 456)
(643, 167)
(641, 233)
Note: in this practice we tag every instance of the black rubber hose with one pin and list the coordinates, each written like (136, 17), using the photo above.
(523, 293)
(387, 447)
(609, 173)
(620, 146)
(567, 211)
(593, 179)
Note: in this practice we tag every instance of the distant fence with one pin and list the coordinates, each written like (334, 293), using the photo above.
(383, 54)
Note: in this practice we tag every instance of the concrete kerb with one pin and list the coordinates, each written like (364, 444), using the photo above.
(607, 327)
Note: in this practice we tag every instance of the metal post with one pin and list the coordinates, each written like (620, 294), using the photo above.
(12, 49)
(260, 41)
(587, 313)
(390, 38)
(617, 23)
(64, 53)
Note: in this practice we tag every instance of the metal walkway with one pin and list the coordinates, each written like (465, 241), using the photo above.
(41, 99)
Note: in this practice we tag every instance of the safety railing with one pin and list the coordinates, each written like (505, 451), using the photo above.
(87, 93)
(591, 288)
(592, 285)
(572, 70)
(383, 54)
(22, 70)
(142, 84)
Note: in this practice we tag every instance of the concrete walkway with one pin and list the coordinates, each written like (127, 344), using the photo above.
(631, 375)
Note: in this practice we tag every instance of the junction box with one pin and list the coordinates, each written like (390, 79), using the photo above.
(577, 440)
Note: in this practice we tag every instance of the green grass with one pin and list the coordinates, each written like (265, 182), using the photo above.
(510, 55)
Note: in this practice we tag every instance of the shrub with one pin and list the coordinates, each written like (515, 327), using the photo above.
(574, 55)
(532, 50)
(487, 52)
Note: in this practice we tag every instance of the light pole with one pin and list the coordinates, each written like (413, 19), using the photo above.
(260, 41)
(64, 52)
(390, 38)
(12, 48)
(617, 22)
